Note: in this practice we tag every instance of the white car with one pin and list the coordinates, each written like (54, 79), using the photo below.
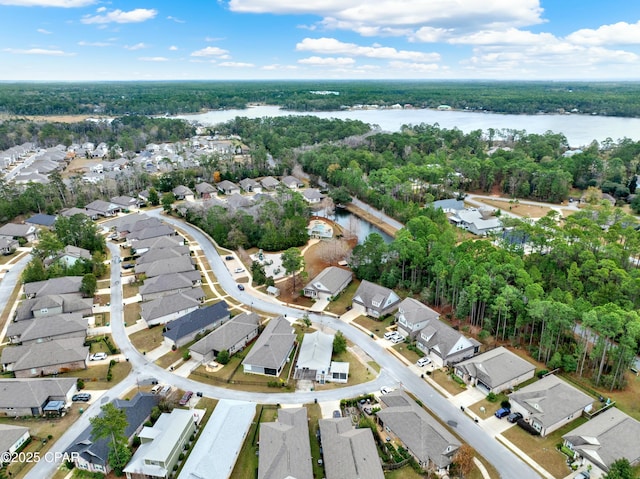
(238, 270)
(390, 334)
(98, 357)
(423, 361)
(385, 390)
(397, 339)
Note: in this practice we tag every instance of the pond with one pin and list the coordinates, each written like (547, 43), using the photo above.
(357, 226)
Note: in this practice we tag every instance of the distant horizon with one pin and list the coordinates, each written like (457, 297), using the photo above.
(83, 41)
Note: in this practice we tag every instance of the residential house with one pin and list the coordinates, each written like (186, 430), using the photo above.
(28, 397)
(549, 404)
(70, 255)
(170, 307)
(8, 245)
(49, 357)
(179, 264)
(40, 219)
(328, 284)
(227, 187)
(69, 212)
(495, 371)
(163, 254)
(150, 233)
(609, 436)
(161, 445)
(412, 316)
(205, 191)
(348, 452)
(16, 231)
(250, 185)
(185, 328)
(314, 359)
(285, 450)
(11, 440)
(448, 206)
(312, 195)
(181, 192)
(141, 247)
(62, 285)
(53, 304)
(236, 200)
(410, 426)
(232, 336)
(270, 353)
(102, 208)
(126, 202)
(476, 222)
(93, 455)
(159, 286)
(292, 182)
(46, 329)
(375, 300)
(269, 183)
(445, 344)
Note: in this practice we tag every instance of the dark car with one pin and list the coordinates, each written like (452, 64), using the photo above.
(128, 266)
(502, 412)
(185, 398)
(84, 397)
(228, 258)
(241, 287)
(337, 413)
(514, 417)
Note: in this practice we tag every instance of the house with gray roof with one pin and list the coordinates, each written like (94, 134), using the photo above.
(448, 206)
(93, 455)
(292, 182)
(375, 300)
(412, 316)
(205, 190)
(272, 349)
(69, 212)
(250, 185)
(495, 371)
(41, 219)
(48, 328)
(227, 187)
(159, 286)
(102, 208)
(52, 304)
(609, 436)
(16, 231)
(269, 183)
(62, 285)
(8, 245)
(329, 283)
(167, 308)
(432, 446)
(182, 192)
(12, 438)
(285, 450)
(550, 403)
(314, 357)
(236, 200)
(28, 397)
(445, 344)
(163, 254)
(148, 233)
(348, 452)
(476, 222)
(143, 246)
(70, 255)
(184, 329)
(45, 358)
(232, 336)
(179, 264)
(312, 195)
(126, 202)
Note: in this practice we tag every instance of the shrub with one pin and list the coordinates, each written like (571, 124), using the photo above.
(491, 397)
(542, 372)
(80, 384)
(136, 441)
(505, 404)
(186, 355)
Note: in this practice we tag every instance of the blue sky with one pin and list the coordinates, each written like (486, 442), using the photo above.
(44, 40)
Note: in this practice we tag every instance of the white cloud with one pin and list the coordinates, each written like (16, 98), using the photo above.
(119, 16)
(82, 43)
(153, 59)
(276, 66)
(213, 39)
(137, 46)
(48, 3)
(414, 67)
(101, 9)
(327, 61)
(621, 33)
(331, 46)
(210, 52)
(43, 31)
(511, 36)
(173, 48)
(177, 20)
(236, 64)
(38, 51)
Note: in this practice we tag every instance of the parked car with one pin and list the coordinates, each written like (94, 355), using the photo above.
(128, 266)
(83, 397)
(502, 412)
(390, 334)
(397, 339)
(238, 270)
(98, 357)
(185, 398)
(337, 413)
(423, 361)
(228, 258)
(582, 475)
(385, 390)
(241, 287)
(514, 417)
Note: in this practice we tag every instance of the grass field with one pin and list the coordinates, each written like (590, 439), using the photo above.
(376, 327)
(95, 377)
(131, 313)
(147, 339)
(247, 462)
(445, 380)
(340, 304)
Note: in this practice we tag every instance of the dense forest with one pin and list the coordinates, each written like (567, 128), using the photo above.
(159, 98)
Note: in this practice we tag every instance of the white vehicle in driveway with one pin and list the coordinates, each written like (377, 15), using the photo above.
(423, 362)
(385, 390)
(390, 334)
(98, 357)
(397, 339)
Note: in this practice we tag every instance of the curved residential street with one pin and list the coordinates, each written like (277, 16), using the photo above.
(394, 372)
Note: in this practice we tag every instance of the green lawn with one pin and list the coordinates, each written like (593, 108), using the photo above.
(314, 414)
(446, 381)
(340, 304)
(376, 327)
(147, 339)
(247, 462)
(132, 313)
(95, 377)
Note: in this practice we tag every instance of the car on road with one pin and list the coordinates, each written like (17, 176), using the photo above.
(98, 357)
(238, 270)
(514, 417)
(128, 266)
(423, 362)
(385, 390)
(228, 258)
(502, 412)
(241, 287)
(83, 397)
(185, 398)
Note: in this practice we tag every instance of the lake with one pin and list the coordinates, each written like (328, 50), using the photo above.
(357, 226)
(580, 130)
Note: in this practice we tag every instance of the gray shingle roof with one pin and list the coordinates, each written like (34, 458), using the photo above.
(48, 353)
(330, 280)
(42, 219)
(49, 327)
(169, 282)
(228, 335)
(369, 293)
(17, 230)
(171, 303)
(205, 187)
(269, 182)
(159, 242)
(177, 264)
(71, 303)
(496, 367)
(198, 320)
(32, 392)
(273, 346)
(63, 285)
(152, 232)
(9, 434)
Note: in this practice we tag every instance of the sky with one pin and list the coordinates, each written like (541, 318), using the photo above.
(87, 40)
